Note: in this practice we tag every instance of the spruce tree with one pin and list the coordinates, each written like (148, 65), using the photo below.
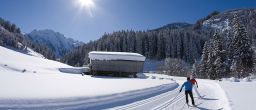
(219, 56)
(203, 66)
(242, 52)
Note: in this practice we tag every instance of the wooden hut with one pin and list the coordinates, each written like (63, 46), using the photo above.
(123, 64)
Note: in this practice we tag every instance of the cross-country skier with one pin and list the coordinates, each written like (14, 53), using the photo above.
(188, 90)
(195, 85)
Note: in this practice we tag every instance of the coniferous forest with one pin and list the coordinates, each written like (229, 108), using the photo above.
(219, 45)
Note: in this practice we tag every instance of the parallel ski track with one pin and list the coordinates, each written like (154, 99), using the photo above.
(175, 99)
(176, 102)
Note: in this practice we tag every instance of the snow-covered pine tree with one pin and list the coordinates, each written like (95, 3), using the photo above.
(213, 58)
(210, 61)
(242, 51)
(203, 72)
(196, 68)
(219, 56)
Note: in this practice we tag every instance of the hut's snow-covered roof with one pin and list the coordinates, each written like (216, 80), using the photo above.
(102, 55)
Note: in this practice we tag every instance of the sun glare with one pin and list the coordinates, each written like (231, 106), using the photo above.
(86, 3)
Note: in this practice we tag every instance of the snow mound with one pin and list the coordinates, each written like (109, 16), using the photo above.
(158, 76)
(76, 70)
(245, 79)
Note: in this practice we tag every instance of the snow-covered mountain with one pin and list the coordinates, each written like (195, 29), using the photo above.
(56, 41)
(223, 21)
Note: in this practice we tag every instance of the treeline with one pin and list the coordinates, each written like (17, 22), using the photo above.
(224, 55)
(184, 43)
(10, 36)
(9, 26)
(215, 52)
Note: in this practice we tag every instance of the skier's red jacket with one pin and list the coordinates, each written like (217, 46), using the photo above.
(193, 81)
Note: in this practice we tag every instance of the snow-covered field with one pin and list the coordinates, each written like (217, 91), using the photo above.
(32, 82)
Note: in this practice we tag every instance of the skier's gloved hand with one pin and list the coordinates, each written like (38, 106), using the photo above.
(180, 90)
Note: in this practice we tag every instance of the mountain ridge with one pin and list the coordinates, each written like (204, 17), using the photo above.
(56, 41)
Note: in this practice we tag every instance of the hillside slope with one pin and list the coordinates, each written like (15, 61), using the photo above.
(11, 37)
(30, 81)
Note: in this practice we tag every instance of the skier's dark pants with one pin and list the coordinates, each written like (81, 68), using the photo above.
(191, 96)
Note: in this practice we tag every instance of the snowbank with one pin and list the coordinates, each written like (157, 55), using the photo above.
(75, 70)
(246, 79)
(100, 55)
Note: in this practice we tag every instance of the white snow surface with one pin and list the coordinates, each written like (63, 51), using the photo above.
(241, 94)
(213, 97)
(102, 55)
(33, 53)
(43, 86)
(218, 24)
(29, 82)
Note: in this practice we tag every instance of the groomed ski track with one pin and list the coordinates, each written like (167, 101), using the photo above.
(214, 98)
(165, 97)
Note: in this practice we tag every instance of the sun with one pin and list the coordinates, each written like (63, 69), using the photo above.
(86, 3)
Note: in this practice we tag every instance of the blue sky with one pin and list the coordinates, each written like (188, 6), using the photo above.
(67, 16)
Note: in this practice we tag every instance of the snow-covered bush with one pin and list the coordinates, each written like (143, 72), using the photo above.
(252, 76)
(224, 79)
(233, 79)
(141, 75)
(169, 79)
(161, 78)
(153, 77)
(247, 79)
